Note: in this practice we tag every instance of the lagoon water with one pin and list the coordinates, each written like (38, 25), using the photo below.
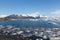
(19, 23)
(25, 23)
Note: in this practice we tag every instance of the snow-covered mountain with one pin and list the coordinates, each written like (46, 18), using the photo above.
(32, 16)
(26, 16)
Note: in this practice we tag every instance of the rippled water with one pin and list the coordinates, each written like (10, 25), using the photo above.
(25, 23)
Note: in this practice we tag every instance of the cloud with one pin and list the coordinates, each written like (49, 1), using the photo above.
(34, 14)
(56, 12)
(3, 15)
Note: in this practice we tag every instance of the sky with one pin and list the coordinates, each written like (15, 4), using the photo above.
(43, 7)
